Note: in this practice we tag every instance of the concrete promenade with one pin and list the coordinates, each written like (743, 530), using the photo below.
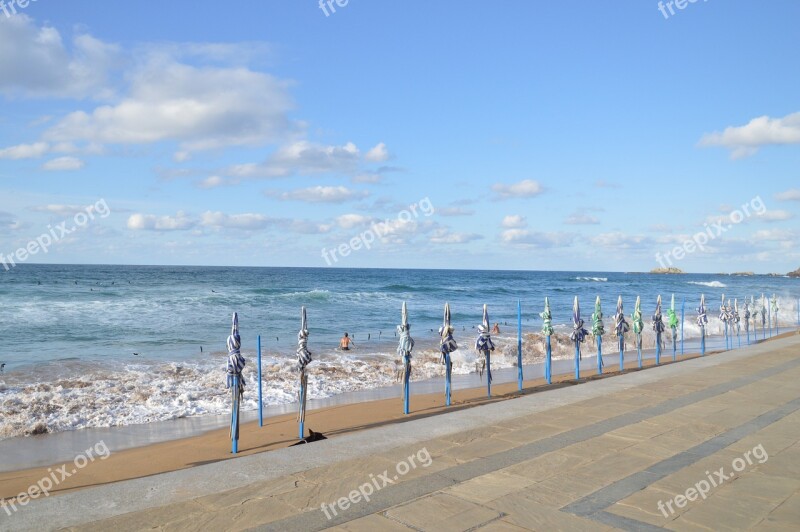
(707, 444)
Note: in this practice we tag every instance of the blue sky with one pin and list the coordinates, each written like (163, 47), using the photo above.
(544, 135)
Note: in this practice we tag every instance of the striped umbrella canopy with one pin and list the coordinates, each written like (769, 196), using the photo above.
(747, 316)
(658, 320)
(597, 319)
(736, 319)
(578, 334)
(484, 344)
(636, 317)
(547, 318)
(621, 326)
(672, 317)
(447, 343)
(702, 319)
(234, 379)
(598, 330)
(763, 311)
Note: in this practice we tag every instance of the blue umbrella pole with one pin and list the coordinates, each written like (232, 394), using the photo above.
(577, 360)
(777, 332)
(519, 343)
(488, 374)
(235, 416)
(702, 341)
(406, 389)
(769, 320)
(621, 351)
(739, 336)
(639, 349)
(683, 312)
(726, 335)
(302, 420)
(674, 345)
(658, 349)
(447, 378)
(747, 330)
(548, 361)
(599, 355)
(260, 396)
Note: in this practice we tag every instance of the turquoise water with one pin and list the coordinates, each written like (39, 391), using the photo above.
(69, 333)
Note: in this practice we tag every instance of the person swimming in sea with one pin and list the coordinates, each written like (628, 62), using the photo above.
(344, 343)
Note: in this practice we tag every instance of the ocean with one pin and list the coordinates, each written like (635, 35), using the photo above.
(102, 346)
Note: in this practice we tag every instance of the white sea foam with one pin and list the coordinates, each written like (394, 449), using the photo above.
(595, 279)
(710, 284)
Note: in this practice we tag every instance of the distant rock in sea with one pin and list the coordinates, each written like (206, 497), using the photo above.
(671, 270)
(795, 274)
(744, 274)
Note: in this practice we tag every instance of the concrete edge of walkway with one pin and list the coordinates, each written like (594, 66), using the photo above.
(102, 502)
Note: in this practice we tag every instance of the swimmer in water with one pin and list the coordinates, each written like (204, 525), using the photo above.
(344, 343)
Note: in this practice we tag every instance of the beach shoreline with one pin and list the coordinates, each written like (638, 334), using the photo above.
(281, 431)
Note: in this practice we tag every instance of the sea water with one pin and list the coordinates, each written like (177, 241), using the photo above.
(102, 346)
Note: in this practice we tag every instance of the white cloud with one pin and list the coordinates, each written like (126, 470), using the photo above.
(788, 195)
(581, 219)
(63, 164)
(302, 157)
(198, 107)
(618, 240)
(775, 235)
(59, 209)
(526, 188)
(368, 178)
(514, 221)
(348, 221)
(323, 194)
(774, 215)
(536, 239)
(454, 211)
(446, 236)
(213, 181)
(24, 151)
(36, 62)
(744, 141)
(246, 221)
(378, 154)
(152, 222)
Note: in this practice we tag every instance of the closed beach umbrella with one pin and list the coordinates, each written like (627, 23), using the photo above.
(303, 360)
(638, 327)
(446, 346)
(764, 317)
(547, 331)
(737, 323)
(578, 335)
(672, 321)
(658, 327)
(404, 350)
(702, 319)
(774, 307)
(747, 319)
(620, 328)
(234, 381)
(598, 331)
(485, 346)
(724, 316)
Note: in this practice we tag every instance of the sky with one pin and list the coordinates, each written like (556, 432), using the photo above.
(518, 134)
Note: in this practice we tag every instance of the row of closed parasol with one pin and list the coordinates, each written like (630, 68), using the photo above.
(484, 345)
